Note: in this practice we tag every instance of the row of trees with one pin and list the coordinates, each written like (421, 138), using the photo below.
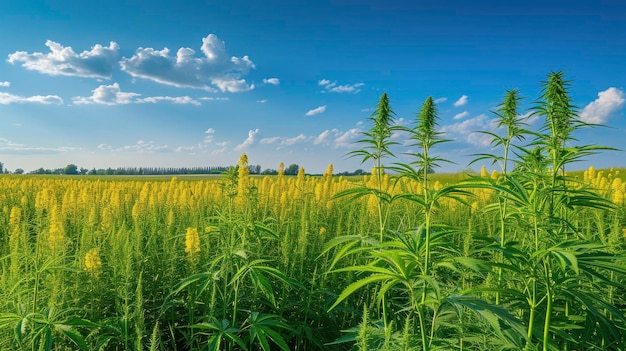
(73, 169)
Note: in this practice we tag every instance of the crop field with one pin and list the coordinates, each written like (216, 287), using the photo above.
(529, 257)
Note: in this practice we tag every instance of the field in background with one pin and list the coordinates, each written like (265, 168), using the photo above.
(179, 263)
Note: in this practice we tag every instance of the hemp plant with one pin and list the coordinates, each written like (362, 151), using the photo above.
(377, 145)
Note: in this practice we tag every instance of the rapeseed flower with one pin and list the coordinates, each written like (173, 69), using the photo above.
(192, 241)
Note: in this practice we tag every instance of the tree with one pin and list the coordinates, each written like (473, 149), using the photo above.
(292, 169)
(18, 171)
(70, 169)
(1, 167)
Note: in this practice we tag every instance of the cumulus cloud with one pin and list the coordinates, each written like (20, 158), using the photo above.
(337, 138)
(6, 98)
(462, 101)
(5, 84)
(250, 140)
(441, 99)
(63, 61)
(181, 100)
(466, 130)
(461, 115)
(107, 95)
(316, 111)
(602, 108)
(273, 81)
(346, 139)
(184, 69)
(333, 87)
(325, 136)
(113, 95)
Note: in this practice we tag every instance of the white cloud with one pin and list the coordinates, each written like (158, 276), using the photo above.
(461, 115)
(107, 95)
(214, 98)
(337, 138)
(271, 140)
(462, 101)
(316, 111)
(346, 139)
(10, 147)
(140, 146)
(263, 101)
(5, 84)
(185, 148)
(273, 81)
(291, 141)
(441, 99)
(63, 61)
(249, 140)
(232, 85)
(323, 82)
(181, 100)
(529, 117)
(218, 151)
(602, 108)
(332, 87)
(6, 98)
(186, 70)
(283, 141)
(466, 130)
(467, 126)
(325, 136)
(209, 135)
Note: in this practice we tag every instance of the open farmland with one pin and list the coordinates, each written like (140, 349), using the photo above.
(181, 264)
(528, 257)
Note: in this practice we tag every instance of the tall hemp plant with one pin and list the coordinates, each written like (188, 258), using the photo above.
(507, 117)
(401, 268)
(557, 271)
(376, 147)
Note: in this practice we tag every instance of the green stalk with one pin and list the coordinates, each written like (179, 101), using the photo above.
(420, 314)
(37, 274)
(546, 327)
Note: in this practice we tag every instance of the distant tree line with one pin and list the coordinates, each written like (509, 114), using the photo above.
(73, 169)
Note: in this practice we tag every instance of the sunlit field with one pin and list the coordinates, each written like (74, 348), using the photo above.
(523, 255)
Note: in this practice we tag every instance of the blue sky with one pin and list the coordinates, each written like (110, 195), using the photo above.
(196, 83)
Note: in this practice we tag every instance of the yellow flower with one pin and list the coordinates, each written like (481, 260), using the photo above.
(15, 218)
(483, 172)
(474, 206)
(93, 263)
(56, 232)
(494, 175)
(192, 241)
(618, 197)
(322, 231)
